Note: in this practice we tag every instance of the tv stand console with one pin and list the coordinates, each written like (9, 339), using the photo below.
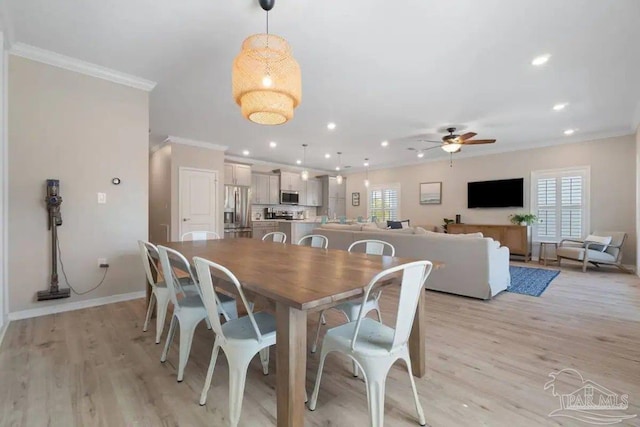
(516, 237)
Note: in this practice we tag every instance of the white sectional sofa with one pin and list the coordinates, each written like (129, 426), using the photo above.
(475, 266)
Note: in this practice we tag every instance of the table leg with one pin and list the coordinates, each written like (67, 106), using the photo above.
(291, 365)
(417, 340)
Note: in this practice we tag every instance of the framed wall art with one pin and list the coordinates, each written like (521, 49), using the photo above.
(430, 193)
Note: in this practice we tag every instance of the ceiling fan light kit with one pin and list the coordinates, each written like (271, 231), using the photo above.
(266, 79)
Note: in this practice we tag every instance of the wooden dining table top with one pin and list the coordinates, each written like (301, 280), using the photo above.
(299, 276)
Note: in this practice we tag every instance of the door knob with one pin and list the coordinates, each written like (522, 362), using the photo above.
(186, 219)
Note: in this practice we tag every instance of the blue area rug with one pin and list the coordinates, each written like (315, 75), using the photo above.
(530, 281)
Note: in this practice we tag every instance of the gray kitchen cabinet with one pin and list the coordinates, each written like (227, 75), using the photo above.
(274, 190)
(290, 181)
(260, 189)
(314, 192)
(260, 228)
(333, 197)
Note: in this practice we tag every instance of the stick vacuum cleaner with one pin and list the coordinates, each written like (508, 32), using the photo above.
(53, 201)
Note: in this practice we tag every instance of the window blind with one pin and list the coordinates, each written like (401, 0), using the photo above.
(384, 202)
(560, 203)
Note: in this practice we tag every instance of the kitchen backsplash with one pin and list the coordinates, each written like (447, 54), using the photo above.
(259, 209)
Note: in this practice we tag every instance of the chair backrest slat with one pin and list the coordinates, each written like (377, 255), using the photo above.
(315, 241)
(275, 236)
(373, 247)
(414, 274)
(168, 259)
(211, 302)
(147, 253)
(199, 235)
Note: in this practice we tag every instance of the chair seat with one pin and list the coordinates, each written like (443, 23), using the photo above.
(184, 282)
(577, 253)
(352, 308)
(242, 330)
(374, 338)
(191, 301)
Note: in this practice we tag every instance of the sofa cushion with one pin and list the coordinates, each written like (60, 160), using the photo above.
(402, 231)
(577, 253)
(345, 227)
(592, 238)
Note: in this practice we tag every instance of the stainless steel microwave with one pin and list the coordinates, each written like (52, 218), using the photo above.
(289, 198)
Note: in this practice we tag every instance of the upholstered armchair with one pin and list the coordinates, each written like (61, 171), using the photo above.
(589, 252)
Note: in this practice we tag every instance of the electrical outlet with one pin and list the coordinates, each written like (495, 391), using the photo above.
(101, 262)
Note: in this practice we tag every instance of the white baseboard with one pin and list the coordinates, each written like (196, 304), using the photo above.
(3, 329)
(76, 305)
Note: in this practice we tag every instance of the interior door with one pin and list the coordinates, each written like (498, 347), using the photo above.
(198, 200)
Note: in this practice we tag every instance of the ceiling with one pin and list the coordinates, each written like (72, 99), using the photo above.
(380, 70)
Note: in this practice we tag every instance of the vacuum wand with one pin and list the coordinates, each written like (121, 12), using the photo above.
(53, 202)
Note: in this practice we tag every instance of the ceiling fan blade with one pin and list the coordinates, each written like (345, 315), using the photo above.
(428, 140)
(479, 141)
(431, 148)
(467, 135)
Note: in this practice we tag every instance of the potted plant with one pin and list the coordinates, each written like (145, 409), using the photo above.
(447, 221)
(523, 219)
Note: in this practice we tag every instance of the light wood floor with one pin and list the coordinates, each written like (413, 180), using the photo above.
(487, 364)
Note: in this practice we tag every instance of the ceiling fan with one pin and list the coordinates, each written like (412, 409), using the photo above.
(453, 143)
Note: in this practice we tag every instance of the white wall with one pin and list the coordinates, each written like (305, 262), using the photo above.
(638, 199)
(83, 131)
(613, 184)
(3, 187)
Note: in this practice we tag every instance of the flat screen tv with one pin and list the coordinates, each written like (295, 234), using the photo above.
(503, 193)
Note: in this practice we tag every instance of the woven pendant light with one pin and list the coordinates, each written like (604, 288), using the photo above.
(266, 78)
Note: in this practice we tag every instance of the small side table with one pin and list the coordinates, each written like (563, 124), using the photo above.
(543, 257)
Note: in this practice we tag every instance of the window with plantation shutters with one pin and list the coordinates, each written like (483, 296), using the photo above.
(384, 202)
(560, 201)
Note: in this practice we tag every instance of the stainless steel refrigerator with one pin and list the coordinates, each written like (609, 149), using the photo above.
(237, 211)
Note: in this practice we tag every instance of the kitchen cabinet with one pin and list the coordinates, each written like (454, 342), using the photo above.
(290, 181)
(235, 174)
(260, 228)
(265, 189)
(296, 230)
(274, 190)
(334, 201)
(313, 193)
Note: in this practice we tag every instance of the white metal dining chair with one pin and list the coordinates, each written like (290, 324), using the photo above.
(351, 309)
(375, 347)
(275, 236)
(240, 339)
(199, 235)
(314, 241)
(159, 292)
(187, 311)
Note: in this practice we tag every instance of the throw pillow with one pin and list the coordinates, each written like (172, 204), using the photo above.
(604, 242)
(405, 223)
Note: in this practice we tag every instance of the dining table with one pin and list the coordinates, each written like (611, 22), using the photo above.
(294, 281)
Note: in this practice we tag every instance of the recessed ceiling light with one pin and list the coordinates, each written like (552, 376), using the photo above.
(569, 131)
(331, 126)
(366, 164)
(337, 168)
(420, 155)
(560, 107)
(245, 152)
(540, 60)
(385, 143)
(327, 156)
(298, 162)
(273, 144)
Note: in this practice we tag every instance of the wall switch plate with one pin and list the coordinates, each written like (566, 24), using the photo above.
(101, 262)
(102, 198)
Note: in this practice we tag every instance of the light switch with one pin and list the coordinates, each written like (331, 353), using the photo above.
(102, 198)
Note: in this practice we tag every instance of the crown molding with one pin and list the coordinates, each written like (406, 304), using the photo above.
(72, 64)
(275, 165)
(194, 143)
